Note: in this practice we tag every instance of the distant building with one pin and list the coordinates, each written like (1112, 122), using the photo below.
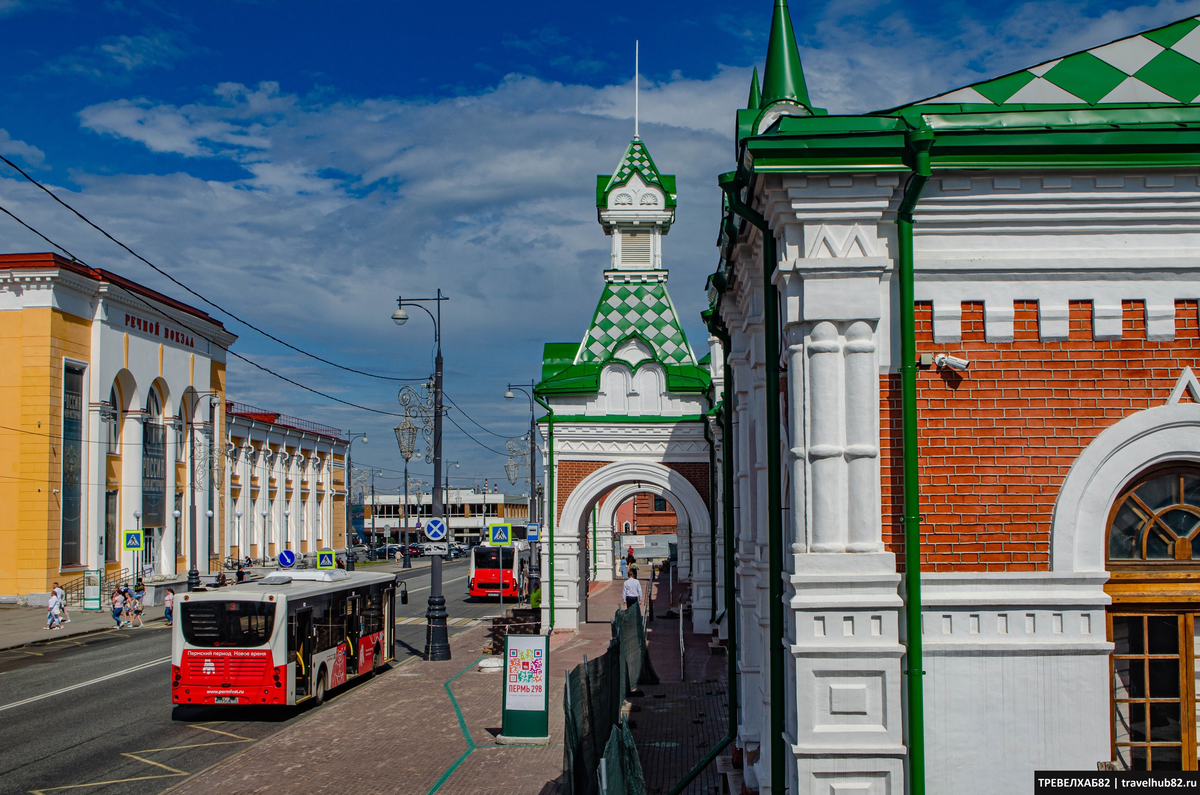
(287, 484)
(646, 513)
(467, 512)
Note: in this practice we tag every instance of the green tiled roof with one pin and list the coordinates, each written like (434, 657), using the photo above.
(643, 310)
(1160, 66)
(636, 160)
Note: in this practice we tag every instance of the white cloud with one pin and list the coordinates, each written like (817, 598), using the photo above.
(27, 152)
(342, 205)
(114, 58)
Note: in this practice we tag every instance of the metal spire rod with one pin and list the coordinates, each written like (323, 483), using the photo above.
(636, 74)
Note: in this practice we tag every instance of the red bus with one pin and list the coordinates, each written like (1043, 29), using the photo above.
(285, 639)
(490, 566)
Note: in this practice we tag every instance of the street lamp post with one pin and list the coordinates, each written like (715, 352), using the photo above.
(193, 580)
(446, 498)
(350, 476)
(535, 558)
(406, 439)
(437, 641)
(241, 540)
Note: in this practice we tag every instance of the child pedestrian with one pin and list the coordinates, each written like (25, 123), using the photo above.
(62, 599)
(127, 600)
(54, 608)
(135, 612)
(169, 606)
(118, 606)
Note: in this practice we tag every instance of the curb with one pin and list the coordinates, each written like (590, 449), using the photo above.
(56, 638)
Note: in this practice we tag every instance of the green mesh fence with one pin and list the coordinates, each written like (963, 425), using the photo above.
(592, 706)
(620, 771)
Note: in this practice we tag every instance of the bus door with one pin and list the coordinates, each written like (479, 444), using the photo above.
(353, 632)
(302, 642)
(389, 623)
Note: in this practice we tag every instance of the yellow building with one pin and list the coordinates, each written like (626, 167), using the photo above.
(112, 405)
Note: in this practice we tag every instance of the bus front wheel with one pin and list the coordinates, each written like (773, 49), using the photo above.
(319, 690)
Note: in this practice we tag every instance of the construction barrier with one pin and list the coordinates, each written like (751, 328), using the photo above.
(596, 736)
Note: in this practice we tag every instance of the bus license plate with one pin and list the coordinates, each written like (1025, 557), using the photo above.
(225, 700)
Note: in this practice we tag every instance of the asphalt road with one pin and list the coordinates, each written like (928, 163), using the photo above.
(112, 728)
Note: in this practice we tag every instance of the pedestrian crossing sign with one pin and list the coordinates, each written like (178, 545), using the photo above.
(500, 535)
(133, 540)
(326, 559)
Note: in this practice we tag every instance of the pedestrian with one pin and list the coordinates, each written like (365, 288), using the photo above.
(62, 598)
(53, 611)
(135, 613)
(341, 564)
(241, 573)
(139, 590)
(118, 606)
(169, 606)
(629, 558)
(222, 580)
(249, 563)
(127, 601)
(632, 589)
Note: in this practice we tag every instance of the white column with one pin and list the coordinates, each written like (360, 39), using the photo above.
(94, 477)
(862, 440)
(131, 486)
(825, 435)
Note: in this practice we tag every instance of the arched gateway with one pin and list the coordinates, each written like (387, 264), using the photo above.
(629, 406)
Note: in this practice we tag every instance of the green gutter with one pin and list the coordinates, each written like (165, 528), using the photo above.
(712, 516)
(462, 726)
(551, 502)
(919, 143)
(778, 692)
(730, 611)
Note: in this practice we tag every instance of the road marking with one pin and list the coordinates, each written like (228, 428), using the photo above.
(90, 682)
(171, 772)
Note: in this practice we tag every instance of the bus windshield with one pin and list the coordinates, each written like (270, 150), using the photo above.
(212, 624)
(489, 558)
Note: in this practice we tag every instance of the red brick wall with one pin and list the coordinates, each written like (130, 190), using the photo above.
(696, 473)
(997, 441)
(569, 474)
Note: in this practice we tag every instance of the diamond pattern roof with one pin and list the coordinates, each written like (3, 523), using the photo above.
(644, 309)
(636, 160)
(1160, 66)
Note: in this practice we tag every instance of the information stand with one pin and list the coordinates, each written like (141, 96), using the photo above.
(91, 589)
(526, 707)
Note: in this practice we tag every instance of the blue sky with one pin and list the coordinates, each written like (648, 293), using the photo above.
(304, 162)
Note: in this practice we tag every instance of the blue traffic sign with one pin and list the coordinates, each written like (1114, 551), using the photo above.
(325, 559)
(533, 532)
(500, 535)
(287, 558)
(133, 540)
(435, 529)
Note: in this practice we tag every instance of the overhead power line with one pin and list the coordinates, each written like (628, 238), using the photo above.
(472, 419)
(183, 286)
(472, 438)
(200, 333)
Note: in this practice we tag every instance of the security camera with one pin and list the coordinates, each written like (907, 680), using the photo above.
(954, 363)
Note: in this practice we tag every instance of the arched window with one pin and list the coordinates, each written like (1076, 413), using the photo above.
(1157, 517)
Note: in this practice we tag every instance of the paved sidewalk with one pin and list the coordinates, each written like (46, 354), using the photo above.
(21, 626)
(680, 719)
(403, 734)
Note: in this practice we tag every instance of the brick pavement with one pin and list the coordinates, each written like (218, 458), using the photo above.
(400, 733)
(677, 722)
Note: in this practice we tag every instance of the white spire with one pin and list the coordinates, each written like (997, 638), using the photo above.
(635, 89)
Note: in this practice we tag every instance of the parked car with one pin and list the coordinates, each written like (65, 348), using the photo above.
(416, 550)
(387, 551)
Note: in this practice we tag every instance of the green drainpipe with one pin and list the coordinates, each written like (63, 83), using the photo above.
(712, 514)
(778, 693)
(919, 144)
(728, 548)
(551, 502)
